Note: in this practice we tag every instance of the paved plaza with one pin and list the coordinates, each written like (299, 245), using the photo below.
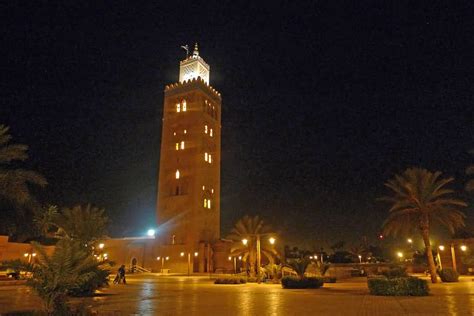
(152, 295)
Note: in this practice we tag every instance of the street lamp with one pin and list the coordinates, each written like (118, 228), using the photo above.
(360, 258)
(441, 247)
(463, 248)
(400, 255)
(151, 232)
(271, 240)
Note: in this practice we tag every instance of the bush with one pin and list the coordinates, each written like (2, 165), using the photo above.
(292, 282)
(230, 281)
(396, 272)
(448, 275)
(409, 286)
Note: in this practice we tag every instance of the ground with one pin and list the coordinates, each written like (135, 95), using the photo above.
(149, 294)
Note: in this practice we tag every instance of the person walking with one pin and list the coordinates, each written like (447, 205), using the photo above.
(120, 277)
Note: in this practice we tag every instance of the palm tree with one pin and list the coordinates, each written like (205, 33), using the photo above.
(14, 182)
(299, 266)
(85, 224)
(251, 229)
(44, 219)
(70, 270)
(419, 199)
(470, 171)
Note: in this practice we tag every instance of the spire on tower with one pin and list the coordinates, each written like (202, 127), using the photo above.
(196, 51)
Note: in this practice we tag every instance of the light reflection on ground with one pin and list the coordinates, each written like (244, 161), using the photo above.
(152, 295)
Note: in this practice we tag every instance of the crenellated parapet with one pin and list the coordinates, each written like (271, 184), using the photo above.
(176, 87)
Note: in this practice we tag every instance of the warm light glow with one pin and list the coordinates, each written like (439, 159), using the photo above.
(196, 254)
(203, 187)
(463, 248)
(311, 257)
(205, 203)
(205, 129)
(230, 258)
(360, 257)
(174, 134)
(177, 146)
(182, 254)
(25, 255)
(182, 144)
(205, 156)
(240, 257)
(167, 258)
(210, 158)
(441, 247)
(101, 246)
(315, 257)
(212, 191)
(158, 258)
(178, 107)
(177, 174)
(209, 203)
(184, 105)
(400, 254)
(409, 240)
(105, 255)
(34, 254)
(210, 133)
(151, 232)
(185, 131)
(272, 240)
(245, 241)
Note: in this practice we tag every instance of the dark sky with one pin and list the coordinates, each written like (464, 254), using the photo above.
(322, 102)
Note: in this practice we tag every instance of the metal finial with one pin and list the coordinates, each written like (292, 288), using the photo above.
(196, 50)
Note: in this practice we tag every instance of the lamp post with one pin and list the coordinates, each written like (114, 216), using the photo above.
(272, 241)
(162, 261)
(30, 256)
(360, 258)
(441, 248)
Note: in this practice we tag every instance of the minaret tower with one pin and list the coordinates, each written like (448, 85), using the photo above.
(188, 204)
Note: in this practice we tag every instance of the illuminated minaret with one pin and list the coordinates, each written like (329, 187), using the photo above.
(188, 204)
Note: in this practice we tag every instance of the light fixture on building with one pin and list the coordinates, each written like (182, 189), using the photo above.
(101, 246)
(272, 240)
(463, 248)
(245, 241)
(151, 232)
(441, 247)
(196, 254)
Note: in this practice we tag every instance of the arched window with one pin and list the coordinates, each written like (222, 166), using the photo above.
(178, 107)
(177, 174)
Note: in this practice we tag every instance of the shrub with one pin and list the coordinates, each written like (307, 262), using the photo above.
(230, 281)
(395, 272)
(409, 286)
(448, 275)
(292, 282)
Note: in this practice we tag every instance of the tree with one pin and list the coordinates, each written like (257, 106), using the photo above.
(14, 182)
(44, 219)
(70, 270)
(419, 199)
(470, 171)
(15, 197)
(85, 224)
(299, 266)
(251, 229)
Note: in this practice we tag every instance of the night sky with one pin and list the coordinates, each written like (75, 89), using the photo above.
(322, 103)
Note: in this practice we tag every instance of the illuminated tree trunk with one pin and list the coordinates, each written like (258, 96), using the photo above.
(429, 254)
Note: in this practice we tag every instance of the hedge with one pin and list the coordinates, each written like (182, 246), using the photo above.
(409, 286)
(292, 282)
(448, 275)
(230, 281)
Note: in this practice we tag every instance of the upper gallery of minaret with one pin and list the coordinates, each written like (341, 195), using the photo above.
(194, 66)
